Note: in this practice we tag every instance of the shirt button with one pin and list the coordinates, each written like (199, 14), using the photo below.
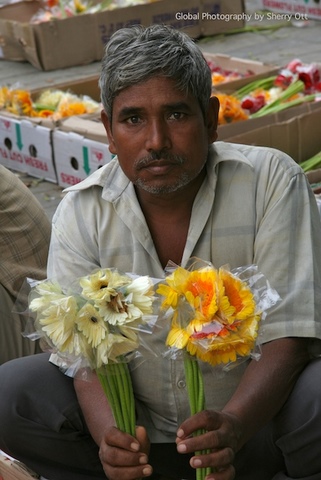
(181, 384)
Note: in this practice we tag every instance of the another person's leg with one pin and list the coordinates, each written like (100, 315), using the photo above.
(298, 428)
(12, 343)
(289, 447)
(41, 422)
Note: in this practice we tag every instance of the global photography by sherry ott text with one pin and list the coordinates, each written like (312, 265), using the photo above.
(240, 17)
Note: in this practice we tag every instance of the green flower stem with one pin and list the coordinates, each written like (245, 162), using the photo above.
(116, 382)
(121, 394)
(126, 397)
(132, 409)
(196, 396)
(264, 83)
(311, 163)
(188, 365)
(278, 105)
(107, 382)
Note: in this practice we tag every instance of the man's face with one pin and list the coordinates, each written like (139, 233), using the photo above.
(160, 135)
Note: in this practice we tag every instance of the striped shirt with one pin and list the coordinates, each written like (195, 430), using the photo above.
(254, 207)
(24, 233)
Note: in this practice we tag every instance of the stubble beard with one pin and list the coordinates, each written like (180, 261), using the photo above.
(181, 182)
(162, 189)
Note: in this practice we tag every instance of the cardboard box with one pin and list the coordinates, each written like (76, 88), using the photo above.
(300, 10)
(295, 131)
(62, 43)
(77, 154)
(250, 69)
(26, 143)
(26, 147)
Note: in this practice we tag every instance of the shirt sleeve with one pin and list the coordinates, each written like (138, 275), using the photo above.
(287, 249)
(73, 248)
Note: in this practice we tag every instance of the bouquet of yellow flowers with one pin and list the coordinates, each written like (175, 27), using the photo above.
(214, 316)
(50, 103)
(101, 327)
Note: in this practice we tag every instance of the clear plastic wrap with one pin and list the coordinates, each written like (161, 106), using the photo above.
(215, 314)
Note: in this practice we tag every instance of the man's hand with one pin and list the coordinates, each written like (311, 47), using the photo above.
(220, 440)
(264, 388)
(124, 457)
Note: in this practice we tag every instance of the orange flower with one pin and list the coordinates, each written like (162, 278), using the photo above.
(69, 109)
(20, 102)
(230, 109)
(215, 317)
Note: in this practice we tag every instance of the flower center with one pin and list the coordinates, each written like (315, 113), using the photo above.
(117, 305)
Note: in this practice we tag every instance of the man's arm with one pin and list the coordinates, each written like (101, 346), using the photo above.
(267, 384)
(264, 388)
(94, 405)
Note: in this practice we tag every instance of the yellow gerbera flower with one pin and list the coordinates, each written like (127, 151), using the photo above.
(91, 324)
(4, 97)
(174, 288)
(140, 292)
(222, 322)
(200, 291)
(123, 300)
(178, 338)
(45, 293)
(103, 284)
(112, 348)
(239, 295)
(119, 346)
(58, 322)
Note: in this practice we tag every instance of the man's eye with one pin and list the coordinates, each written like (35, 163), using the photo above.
(177, 115)
(133, 120)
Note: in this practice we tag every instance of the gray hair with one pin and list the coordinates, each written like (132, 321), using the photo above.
(134, 54)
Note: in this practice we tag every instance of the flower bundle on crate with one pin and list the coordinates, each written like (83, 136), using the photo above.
(223, 75)
(54, 104)
(60, 9)
(295, 84)
(101, 327)
(215, 316)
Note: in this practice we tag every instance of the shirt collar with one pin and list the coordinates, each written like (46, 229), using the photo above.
(224, 151)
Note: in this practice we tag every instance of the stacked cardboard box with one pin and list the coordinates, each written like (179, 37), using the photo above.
(26, 147)
(61, 43)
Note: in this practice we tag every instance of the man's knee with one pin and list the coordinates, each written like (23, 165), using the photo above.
(20, 379)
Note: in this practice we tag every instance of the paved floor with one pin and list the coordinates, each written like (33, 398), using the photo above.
(268, 40)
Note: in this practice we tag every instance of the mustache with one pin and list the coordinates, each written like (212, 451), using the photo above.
(159, 155)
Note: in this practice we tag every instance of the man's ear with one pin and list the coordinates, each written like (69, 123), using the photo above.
(107, 124)
(212, 118)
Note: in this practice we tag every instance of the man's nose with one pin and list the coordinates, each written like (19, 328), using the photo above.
(158, 135)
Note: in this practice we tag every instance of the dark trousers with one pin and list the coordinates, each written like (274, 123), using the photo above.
(41, 425)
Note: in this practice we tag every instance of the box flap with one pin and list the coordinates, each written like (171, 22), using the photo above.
(91, 128)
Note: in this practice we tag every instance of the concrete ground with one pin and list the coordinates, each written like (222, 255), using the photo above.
(267, 40)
